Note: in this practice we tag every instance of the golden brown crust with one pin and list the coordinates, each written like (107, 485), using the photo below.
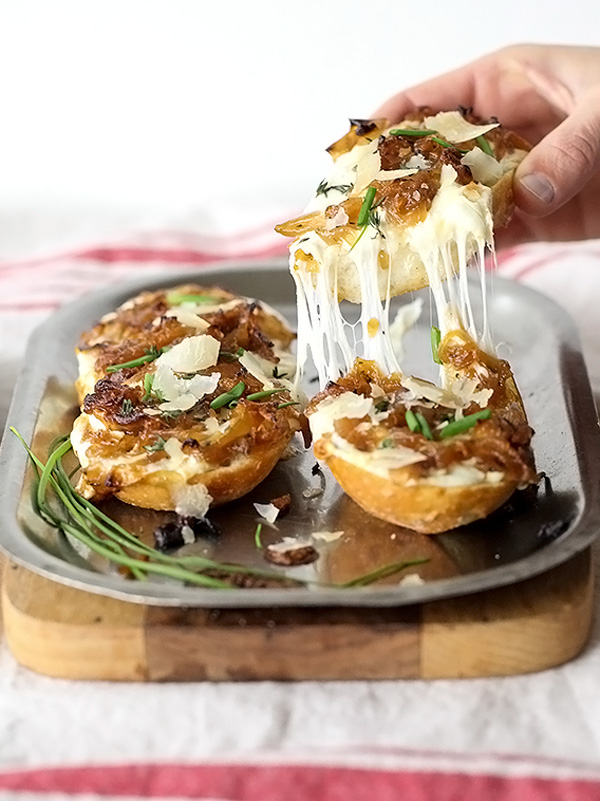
(494, 455)
(133, 445)
(420, 507)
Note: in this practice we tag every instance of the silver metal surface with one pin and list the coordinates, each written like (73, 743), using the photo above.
(525, 538)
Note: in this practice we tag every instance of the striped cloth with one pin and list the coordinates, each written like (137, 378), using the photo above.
(529, 738)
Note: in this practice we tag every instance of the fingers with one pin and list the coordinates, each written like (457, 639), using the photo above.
(563, 162)
(446, 91)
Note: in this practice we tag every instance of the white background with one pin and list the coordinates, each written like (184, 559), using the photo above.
(212, 116)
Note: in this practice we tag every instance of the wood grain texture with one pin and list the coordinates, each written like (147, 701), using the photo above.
(63, 632)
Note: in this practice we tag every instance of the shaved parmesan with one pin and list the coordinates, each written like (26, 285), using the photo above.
(331, 409)
(171, 387)
(453, 126)
(327, 536)
(261, 369)
(187, 317)
(485, 168)
(180, 404)
(191, 500)
(191, 354)
(391, 175)
(412, 580)
(268, 511)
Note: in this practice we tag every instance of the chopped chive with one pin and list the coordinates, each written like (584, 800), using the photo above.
(226, 397)
(149, 356)
(257, 539)
(289, 403)
(410, 132)
(98, 532)
(426, 132)
(358, 238)
(444, 143)
(126, 406)
(266, 393)
(176, 298)
(484, 145)
(363, 214)
(148, 382)
(381, 572)
(465, 423)
(425, 430)
(411, 421)
(227, 356)
(386, 443)
(436, 338)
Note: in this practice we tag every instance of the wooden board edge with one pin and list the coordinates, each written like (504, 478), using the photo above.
(537, 624)
(90, 637)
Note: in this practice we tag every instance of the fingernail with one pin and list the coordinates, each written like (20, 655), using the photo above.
(539, 186)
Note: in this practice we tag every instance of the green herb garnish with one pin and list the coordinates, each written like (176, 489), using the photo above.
(382, 405)
(426, 132)
(159, 445)
(381, 572)
(148, 382)
(177, 298)
(80, 519)
(386, 443)
(465, 423)
(484, 145)
(289, 403)
(150, 355)
(227, 397)
(424, 425)
(323, 188)
(436, 338)
(126, 407)
(412, 422)
(363, 214)
(257, 539)
(266, 393)
(227, 356)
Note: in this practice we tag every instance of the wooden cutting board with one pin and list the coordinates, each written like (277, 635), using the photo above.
(68, 633)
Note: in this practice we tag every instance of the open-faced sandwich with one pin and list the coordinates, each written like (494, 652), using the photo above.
(409, 206)
(186, 399)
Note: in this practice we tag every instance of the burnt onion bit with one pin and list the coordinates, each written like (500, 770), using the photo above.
(170, 535)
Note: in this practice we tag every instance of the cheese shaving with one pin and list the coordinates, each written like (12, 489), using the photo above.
(268, 511)
(453, 126)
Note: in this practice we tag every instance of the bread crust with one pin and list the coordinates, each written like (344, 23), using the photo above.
(421, 507)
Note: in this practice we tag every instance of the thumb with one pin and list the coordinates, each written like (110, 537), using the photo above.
(562, 163)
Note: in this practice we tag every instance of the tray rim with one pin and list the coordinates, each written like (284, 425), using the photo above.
(23, 415)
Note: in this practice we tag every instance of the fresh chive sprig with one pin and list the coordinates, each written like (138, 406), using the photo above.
(177, 298)
(465, 423)
(80, 519)
(365, 209)
(225, 398)
(484, 145)
(436, 338)
(266, 393)
(149, 356)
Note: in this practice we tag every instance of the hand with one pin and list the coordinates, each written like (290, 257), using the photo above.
(551, 96)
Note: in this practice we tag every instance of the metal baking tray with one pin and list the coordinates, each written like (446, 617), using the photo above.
(526, 537)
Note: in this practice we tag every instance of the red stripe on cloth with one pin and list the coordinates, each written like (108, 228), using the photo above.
(293, 783)
(109, 254)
